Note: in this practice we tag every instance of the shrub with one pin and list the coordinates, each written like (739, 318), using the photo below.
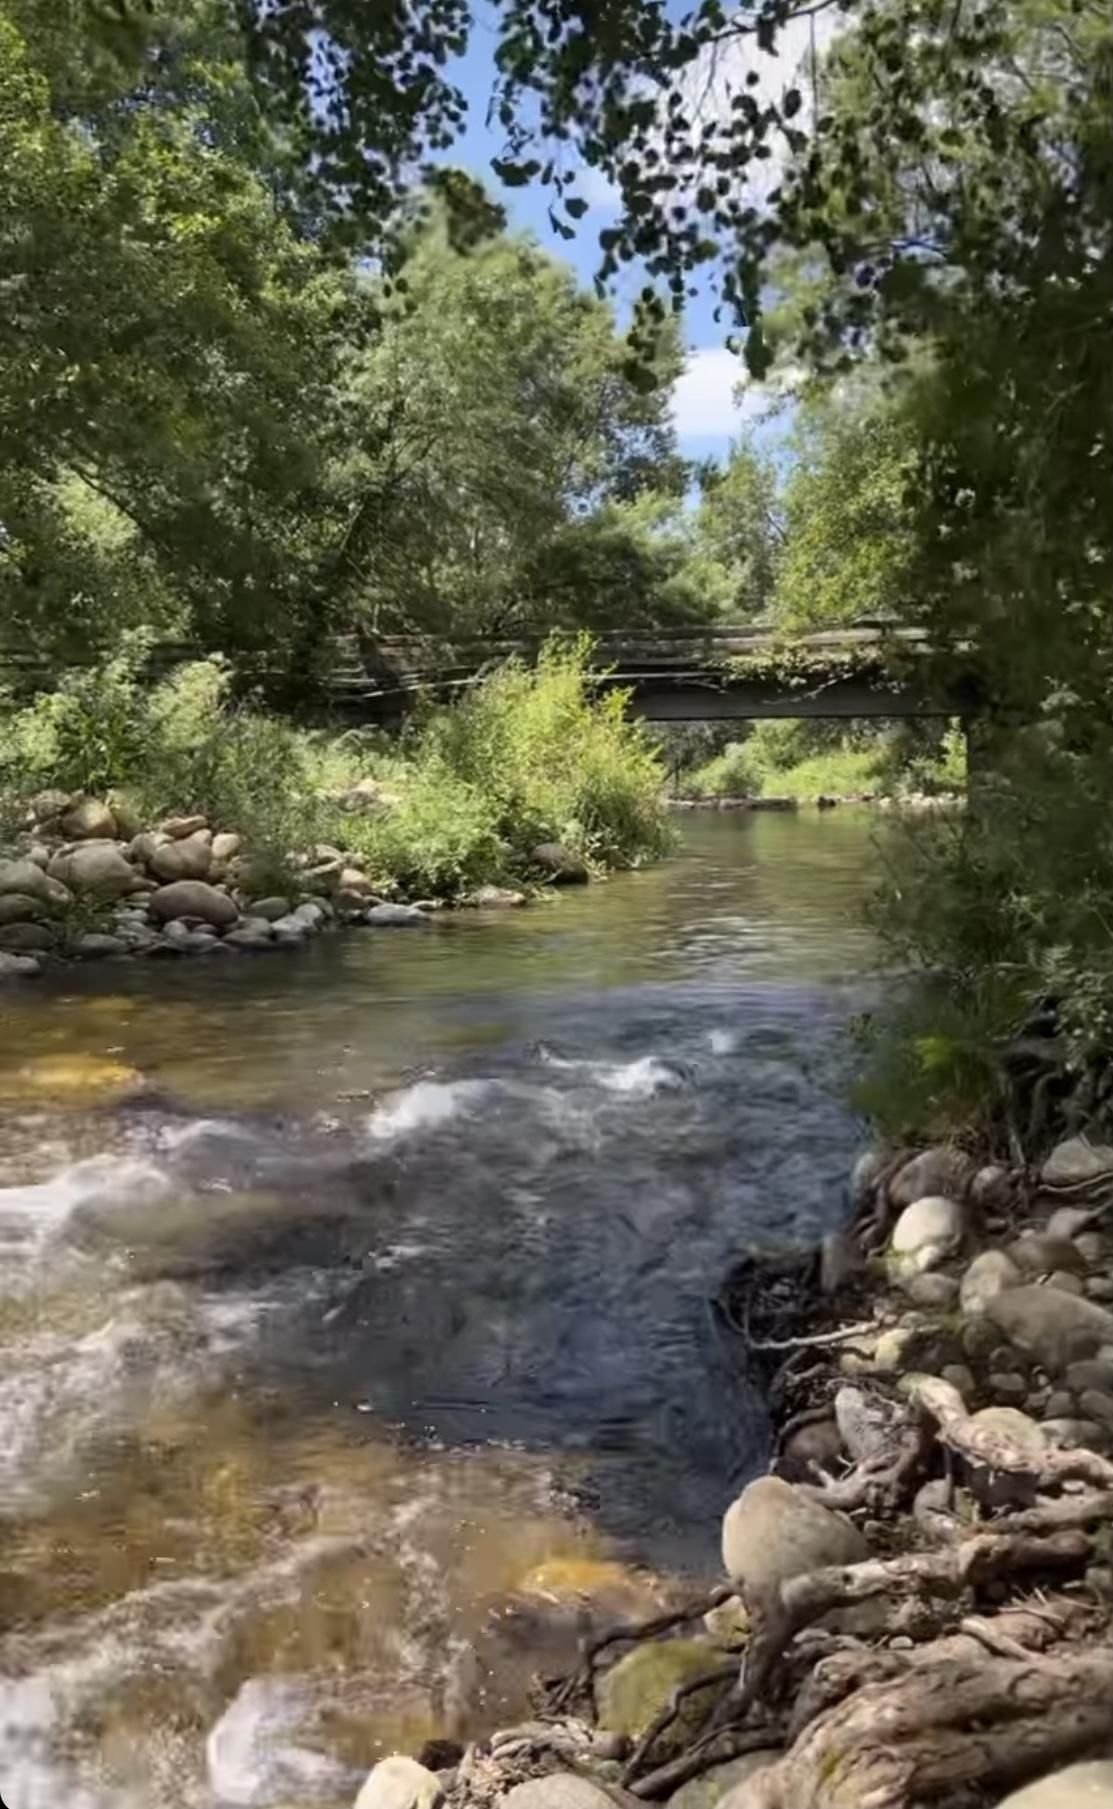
(557, 763)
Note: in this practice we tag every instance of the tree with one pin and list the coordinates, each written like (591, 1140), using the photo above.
(167, 349)
(848, 515)
(739, 526)
(505, 467)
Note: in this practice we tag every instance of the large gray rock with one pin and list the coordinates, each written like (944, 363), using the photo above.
(772, 1532)
(97, 869)
(401, 1783)
(1076, 1159)
(188, 858)
(28, 880)
(988, 1275)
(26, 938)
(89, 820)
(18, 967)
(556, 1790)
(1067, 1221)
(940, 1170)
(927, 1231)
(270, 908)
(17, 907)
(563, 866)
(1037, 1253)
(193, 898)
(1088, 1785)
(1055, 1328)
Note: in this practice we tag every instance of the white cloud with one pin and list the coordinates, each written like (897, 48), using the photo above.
(713, 398)
(720, 73)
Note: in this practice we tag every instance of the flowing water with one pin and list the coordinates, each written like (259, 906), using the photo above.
(355, 1359)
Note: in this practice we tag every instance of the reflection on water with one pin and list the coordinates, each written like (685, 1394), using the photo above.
(363, 1350)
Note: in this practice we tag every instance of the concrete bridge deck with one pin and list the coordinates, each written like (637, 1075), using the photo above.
(687, 675)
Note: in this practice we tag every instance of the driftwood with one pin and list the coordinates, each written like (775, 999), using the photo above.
(809, 1340)
(945, 1724)
(962, 1433)
(881, 1481)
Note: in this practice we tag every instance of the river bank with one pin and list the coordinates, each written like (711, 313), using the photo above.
(919, 1598)
(85, 881)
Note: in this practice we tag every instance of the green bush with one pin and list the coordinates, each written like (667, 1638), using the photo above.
(1007, 905)
(529, 756)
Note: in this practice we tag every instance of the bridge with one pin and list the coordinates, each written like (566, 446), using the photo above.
(699, 674)
(687, 674)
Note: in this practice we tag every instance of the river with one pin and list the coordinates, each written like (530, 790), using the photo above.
(352, 1363)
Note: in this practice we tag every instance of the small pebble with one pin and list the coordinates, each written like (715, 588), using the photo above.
(1090, 1245)
(1100, 1287)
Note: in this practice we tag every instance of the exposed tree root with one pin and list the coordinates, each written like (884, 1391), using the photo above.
(709, 1750)
(995, 1451)
(945, 1724)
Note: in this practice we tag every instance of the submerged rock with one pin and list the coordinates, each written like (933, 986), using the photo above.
(395, 916)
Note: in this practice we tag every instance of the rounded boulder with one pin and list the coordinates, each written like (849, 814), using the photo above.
(188, 858)
(193, 898)
(98, 869)
(773, 1532)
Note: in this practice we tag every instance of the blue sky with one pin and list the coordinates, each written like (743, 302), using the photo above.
(707, 411)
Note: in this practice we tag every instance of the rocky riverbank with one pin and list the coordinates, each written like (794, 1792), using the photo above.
(917, 1598)
(86, 881)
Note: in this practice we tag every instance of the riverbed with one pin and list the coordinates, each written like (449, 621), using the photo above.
(362, 1349)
